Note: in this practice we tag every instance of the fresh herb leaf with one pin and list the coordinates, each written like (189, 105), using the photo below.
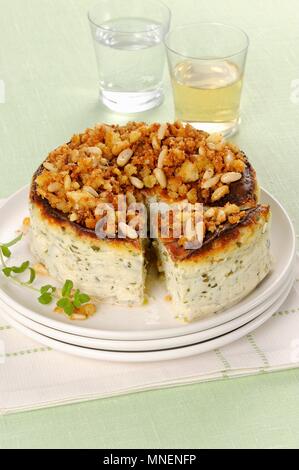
(76, 301)
(45, 298)
(47, 294)
(84, 298)
(80, 299)
(20, 269)
(67, 288)
(5, 251)
(66, 305)
(16, 269)
(32, 276)
(47, 289)
(6, 271)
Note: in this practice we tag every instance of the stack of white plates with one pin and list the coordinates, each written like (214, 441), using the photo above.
(148, 333)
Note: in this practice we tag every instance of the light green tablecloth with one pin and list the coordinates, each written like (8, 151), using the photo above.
(47, 65)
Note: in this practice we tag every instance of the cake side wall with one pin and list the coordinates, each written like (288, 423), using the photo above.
(218, 281)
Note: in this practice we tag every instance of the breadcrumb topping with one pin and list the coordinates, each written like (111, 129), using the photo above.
(169, 160)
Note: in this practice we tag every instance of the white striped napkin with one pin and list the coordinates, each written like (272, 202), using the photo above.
(33, 376)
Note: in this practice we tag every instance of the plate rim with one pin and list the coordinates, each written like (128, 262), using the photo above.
(165, 343)
(154, 356)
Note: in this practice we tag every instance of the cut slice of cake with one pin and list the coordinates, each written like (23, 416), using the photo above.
(111, 270)
(230, 264)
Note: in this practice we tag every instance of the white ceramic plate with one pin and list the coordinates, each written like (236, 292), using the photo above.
(148, 345)
(152, 321)
(150, 356)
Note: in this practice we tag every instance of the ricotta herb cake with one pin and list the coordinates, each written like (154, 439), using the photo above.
(145, 162)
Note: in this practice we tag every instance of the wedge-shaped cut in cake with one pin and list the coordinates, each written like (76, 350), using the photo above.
(229, 265)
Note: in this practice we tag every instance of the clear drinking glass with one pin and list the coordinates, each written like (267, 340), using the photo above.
(128, 39)
(207, 62)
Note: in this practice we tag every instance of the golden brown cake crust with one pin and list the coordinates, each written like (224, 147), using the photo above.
(60, 220)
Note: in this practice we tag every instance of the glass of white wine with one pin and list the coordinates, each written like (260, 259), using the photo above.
(207, 63)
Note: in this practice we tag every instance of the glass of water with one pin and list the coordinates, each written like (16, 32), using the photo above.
(207, 62)
(128, 38)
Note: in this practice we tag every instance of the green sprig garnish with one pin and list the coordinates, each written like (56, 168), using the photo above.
(67, 288)
(47, 294)
(68, 301)
(80, 299)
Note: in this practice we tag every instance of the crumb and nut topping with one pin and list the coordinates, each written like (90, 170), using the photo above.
(172, 161)
(191, 226)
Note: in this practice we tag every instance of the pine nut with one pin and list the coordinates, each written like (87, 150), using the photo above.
(90, 190)
(53, 187)
(124, 157)
(49, 166)
(128, 231)
(162, 156)
(230, 177)
(160, 176)
(208, 174)
(136, 182)
(78, 316)
(215, 138)
(219, 193)
(155, 143)
(94, 151)
(73, 217)
(211, 182)
(228, 158)
(67, 182)
(161, 131)
(75, 195)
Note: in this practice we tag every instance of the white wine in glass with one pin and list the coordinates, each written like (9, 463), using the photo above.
(207, 92)
(206, 63)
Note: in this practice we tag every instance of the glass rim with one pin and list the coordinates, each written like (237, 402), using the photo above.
(207, 23)
(157, 2)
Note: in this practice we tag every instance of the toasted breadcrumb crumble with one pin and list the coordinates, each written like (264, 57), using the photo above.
(171, 161)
